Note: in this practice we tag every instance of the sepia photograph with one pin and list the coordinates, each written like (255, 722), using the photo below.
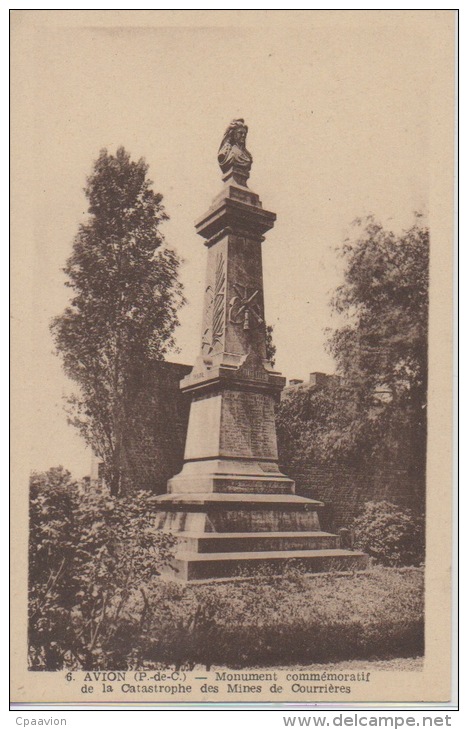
(232, 250)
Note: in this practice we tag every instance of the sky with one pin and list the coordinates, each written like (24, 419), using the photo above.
(338, 128)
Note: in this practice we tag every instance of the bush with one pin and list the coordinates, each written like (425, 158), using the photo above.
(89, 553)
(392, 535)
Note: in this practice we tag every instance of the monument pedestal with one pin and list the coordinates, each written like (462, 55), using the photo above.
(227, 535)
(231, 507)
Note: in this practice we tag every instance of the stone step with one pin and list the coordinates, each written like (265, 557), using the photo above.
(241, 501)
(200, 566)
(228, 542)
(220, 513)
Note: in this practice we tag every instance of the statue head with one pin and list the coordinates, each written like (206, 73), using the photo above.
(235, 134)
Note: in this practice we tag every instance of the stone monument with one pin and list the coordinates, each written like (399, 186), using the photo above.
(231, 506)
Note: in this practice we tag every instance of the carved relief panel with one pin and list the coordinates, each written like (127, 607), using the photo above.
(245, 307)
(213, 333)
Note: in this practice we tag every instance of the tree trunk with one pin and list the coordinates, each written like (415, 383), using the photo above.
(116, 469)
(115, 484)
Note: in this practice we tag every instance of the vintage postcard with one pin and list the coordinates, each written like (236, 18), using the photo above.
(232, 246)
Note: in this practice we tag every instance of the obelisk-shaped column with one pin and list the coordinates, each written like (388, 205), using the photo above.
(231, 441)
(232, 510)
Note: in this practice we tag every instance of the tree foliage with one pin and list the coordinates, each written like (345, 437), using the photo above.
(384, 299)
(322, 425)
(126, 295)
(376, 409)
(270, 345)
(89, 554)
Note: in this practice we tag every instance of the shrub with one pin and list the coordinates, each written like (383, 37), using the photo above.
(392, 535)
(89, 554)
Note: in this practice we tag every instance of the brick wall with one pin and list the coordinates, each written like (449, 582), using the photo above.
(344, 490)
(155, 440)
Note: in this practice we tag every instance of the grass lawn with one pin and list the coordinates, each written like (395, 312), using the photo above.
(292, 620)
(408, 664)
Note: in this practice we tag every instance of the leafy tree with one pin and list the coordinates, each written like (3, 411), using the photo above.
(123, 312)
(376, 409)
(383, 344)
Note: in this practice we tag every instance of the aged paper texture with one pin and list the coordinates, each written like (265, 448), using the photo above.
(349, 113)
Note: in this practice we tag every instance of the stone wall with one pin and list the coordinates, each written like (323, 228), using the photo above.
(155, 439)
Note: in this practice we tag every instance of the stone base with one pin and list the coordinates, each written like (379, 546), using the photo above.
(190, 567)
(230, 476)
(227, 535)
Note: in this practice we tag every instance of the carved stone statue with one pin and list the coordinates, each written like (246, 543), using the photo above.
(234, 159)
